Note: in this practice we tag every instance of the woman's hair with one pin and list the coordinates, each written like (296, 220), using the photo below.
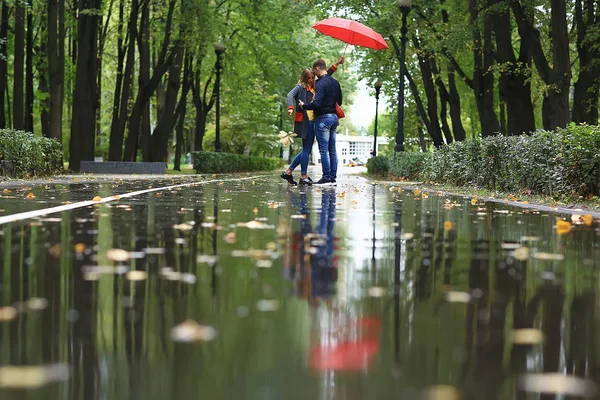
(306, 74)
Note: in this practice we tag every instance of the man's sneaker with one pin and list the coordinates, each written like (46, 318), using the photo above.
(332, 180)
(288, 177)
(323, 181)
(305, 181)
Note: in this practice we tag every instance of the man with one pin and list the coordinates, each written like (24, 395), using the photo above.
(327, 94)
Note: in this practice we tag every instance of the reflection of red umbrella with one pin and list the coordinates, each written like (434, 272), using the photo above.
(354, 355)
(351, 32)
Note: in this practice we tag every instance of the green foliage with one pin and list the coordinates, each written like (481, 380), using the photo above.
(409, 165)
(30, 155)
(565, 162)
(209, 162)
(379, 165)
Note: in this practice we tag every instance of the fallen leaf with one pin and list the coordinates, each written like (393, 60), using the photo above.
(474, 200)
(30, 196)
(376, 291)
(587, 220)
(190, 331)
(457, 297)
(416, 192)
(54, 250)
(556, 383)
(137, 275)
(448, 225)
(79, 248)
(230, 238)
(7, 191)
(118, 255)
(97, 198)
(7, 314)
(521, 254)
(527, 336)
(563, 227)
(549, 256)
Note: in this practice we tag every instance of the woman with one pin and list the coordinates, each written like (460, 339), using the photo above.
(303, 122)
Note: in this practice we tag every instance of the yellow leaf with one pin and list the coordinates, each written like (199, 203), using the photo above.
(30, 196)
(587, 220)
(448, 225)
(79, 248)
(563, 227)
(474, 200)
(97, 198)
(6, 191)
(416, 192)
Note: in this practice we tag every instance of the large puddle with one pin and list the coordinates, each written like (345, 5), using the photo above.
(254, 290)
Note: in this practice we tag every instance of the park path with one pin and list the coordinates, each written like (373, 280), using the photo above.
(244, 287)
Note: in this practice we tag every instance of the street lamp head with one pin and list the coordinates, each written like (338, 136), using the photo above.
(219, 48)
(405, 3)
(378, 84)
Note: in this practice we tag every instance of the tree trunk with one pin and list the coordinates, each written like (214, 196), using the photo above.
(123, 81)
(144, 79)
(28, 117)
(483, 77)
(181, 111)
(202, 104)
(43, 86)
(160, 136)
(19, 64)
(56, 65)
(83, 126)
(515, 87)
(557, 73)
(437, 140)
(586, 90)
(454, 100)
(3, 62)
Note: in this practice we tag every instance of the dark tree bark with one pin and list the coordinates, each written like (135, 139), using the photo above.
(56, 65)
(19, 64)
(4, 18)
(426, 65)
(43, 86)
(437, 140)
(145, 92)
(587, 87)
(83, 126)
(144, 80)
(160, 136)
(483, 77)
(455, 115)
(515, 74)
(123, 81)
(28, 117)
(181, 111)
(103, 29)
(203, 103)
(555, 73)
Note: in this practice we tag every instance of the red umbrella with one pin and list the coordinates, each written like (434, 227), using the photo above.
(351, 32)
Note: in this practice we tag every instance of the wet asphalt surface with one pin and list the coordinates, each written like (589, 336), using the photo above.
(244, 287)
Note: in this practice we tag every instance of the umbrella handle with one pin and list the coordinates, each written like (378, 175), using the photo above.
(344, 53)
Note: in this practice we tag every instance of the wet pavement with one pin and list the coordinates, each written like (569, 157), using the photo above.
(251, 289)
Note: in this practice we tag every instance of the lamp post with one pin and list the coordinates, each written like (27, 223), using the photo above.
(377, 90)
(405, 6)
(219, 50)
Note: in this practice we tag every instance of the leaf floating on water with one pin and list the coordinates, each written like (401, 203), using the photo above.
(442, 392)
(79, 248)
(527, 336)
(24, 377)
(208, 259)
(549, 256)
(407, 236)
(416, 192)
(137, 276)
(6, 191)
(522, 253)
(97, 198)
(55, 250)
(190, 331)
(7, 313)
(563, 227)
(264, 263)
(474, 200)
(118, 255)
(457, 297)
(424, 195)
(230, 238)
(30, 196)
(37, 304)
(255, 225)
(376, 291)
(448, 225)
(267, 305)
(184, 227)
(557, 383)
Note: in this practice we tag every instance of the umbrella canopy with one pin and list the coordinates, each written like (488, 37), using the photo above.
(351, 32)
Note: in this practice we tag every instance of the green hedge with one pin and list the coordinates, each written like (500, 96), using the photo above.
(30, 155)
(211, 163)
(561, 162)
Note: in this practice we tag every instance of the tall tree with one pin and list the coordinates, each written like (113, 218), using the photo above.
(204, 101)
(556, 72)
(18, 67)
(587, 86)
(181, 111)
(3, 61)
(515, 73)
(56, 65)
(28, 117)
(83, 125)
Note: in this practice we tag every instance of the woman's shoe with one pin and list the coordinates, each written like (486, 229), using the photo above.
(288, 177)
(305, 181)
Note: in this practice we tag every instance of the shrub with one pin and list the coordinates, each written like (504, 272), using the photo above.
(408, 165)
(209, 162)
(30, 155)
(561, 162)
(378, 165)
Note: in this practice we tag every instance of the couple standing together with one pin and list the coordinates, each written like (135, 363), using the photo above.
(314, 109)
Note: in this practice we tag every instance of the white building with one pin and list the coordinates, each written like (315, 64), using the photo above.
(351, 147)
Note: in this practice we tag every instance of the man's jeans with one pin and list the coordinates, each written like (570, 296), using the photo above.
(325, 133)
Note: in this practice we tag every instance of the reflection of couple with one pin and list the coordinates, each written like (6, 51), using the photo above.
(315, 116)
(314, 263)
